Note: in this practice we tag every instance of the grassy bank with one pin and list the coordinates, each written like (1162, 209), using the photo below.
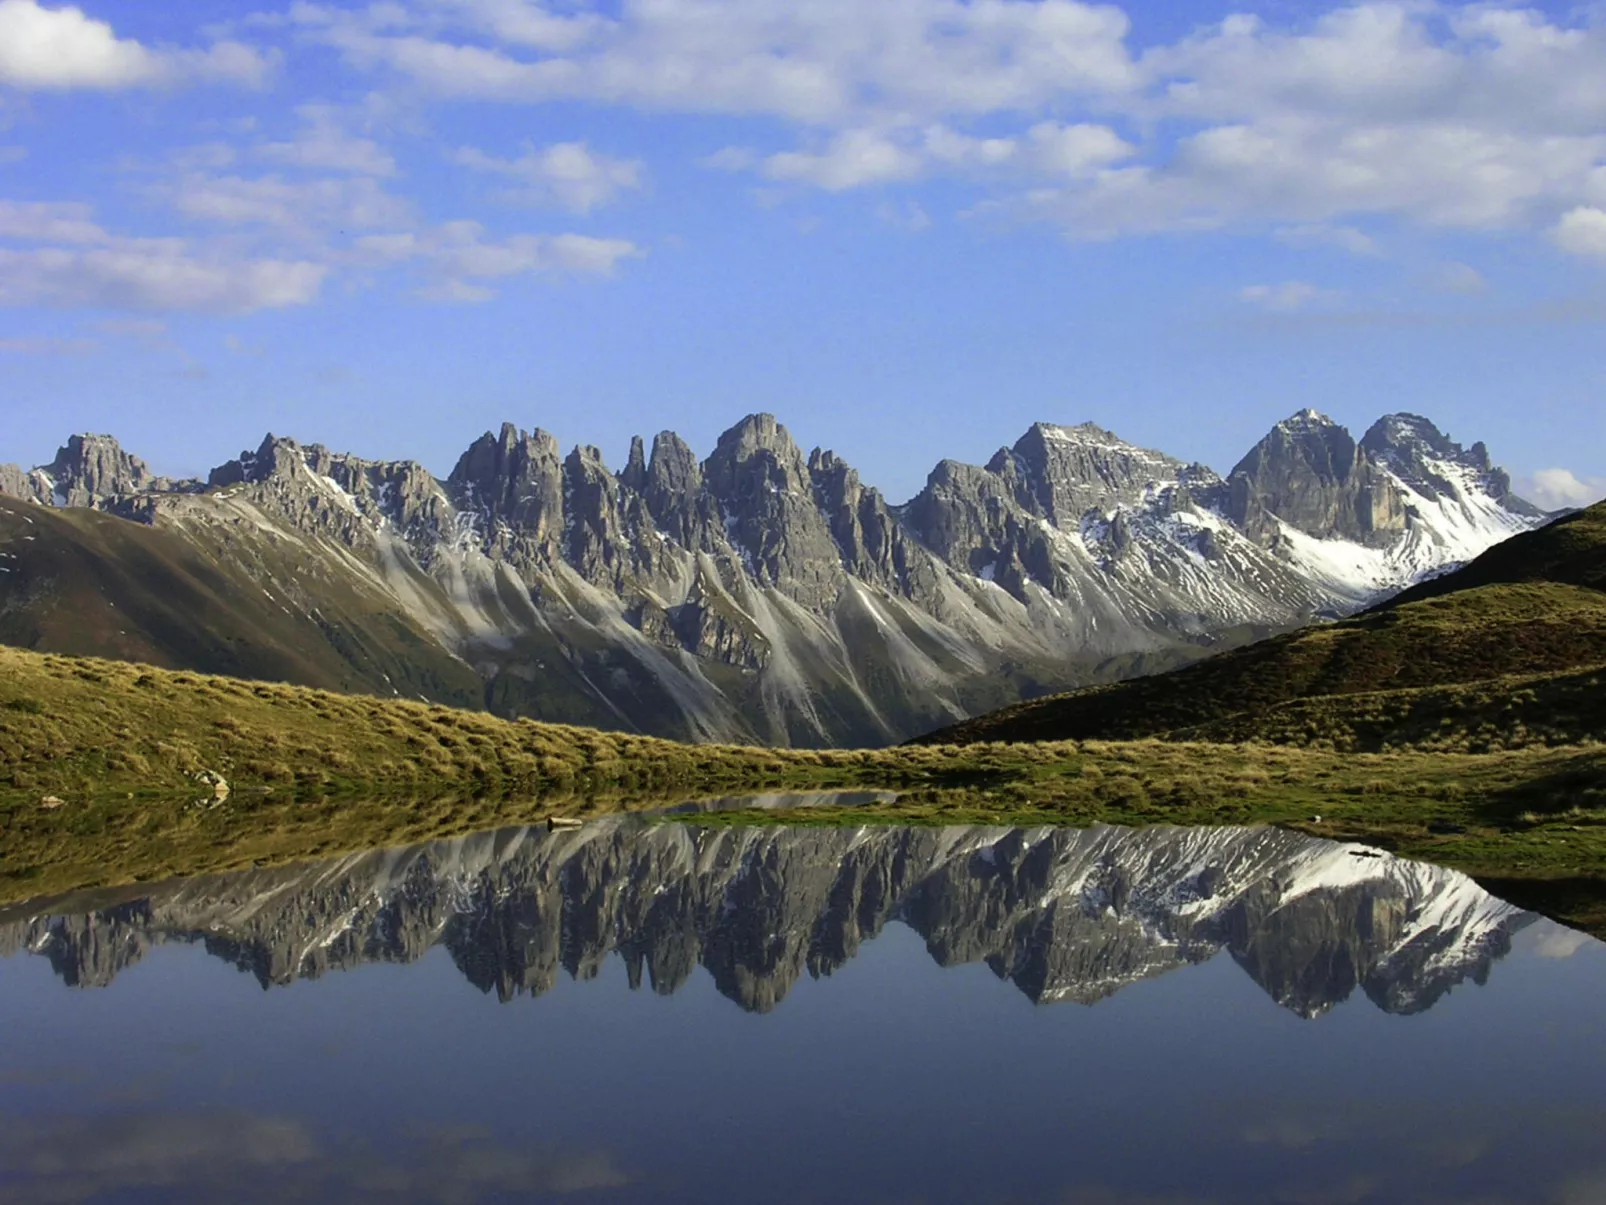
(314, 773)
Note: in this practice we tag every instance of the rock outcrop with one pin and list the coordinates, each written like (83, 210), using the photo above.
(765, 593)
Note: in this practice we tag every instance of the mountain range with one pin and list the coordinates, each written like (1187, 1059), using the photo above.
(758, 594)
(1503, 652)
(1063, 914)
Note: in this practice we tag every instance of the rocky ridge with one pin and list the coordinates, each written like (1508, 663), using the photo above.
(767, 594)
(1062, 914)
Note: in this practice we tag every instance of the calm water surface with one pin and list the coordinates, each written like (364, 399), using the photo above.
(646, 1011)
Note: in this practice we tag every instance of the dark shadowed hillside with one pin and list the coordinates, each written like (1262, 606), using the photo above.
(1501, 651)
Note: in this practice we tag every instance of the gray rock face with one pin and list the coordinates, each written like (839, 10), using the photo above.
(1311, 474)
(89, 471)
(1064, 915)
(15, 483)
(767, 594)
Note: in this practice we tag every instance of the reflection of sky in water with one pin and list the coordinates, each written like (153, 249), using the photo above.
(893, 1080)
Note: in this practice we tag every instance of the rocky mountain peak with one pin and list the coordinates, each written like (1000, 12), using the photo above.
(1310, 473)
(760, 481)
(90, 470)
(1433, 465)
(276, 456)
(634, 475)
(514, 479)
(756, 453)
(1062, 473)
(1309, 419)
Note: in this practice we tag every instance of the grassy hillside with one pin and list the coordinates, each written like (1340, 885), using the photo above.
(81, 582)
(98, 762)
(1501, 653)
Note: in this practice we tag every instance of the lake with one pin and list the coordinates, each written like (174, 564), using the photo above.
(670, 1010)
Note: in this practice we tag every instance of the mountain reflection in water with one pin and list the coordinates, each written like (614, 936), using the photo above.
(1062, 914)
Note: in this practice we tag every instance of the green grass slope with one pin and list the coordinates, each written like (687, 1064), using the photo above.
(98, 786)
(90, 584)
(1463, 661)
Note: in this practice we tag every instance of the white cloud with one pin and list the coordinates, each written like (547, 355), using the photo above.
(1076, 150)
(1558, 943)
(153, 274)
(42, 48)
(1479, 117)
(302, 207)
(853, 159)
(870, 156)
(522, 23)
(832, 61)
(1582, 231)
(566, 174)
(1285, 297)
(324, 144)
(49, 221)
(1343, 238)
(12, 154)
(1556, 488)
(459, 259)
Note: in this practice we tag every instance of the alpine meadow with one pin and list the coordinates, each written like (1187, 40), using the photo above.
(1069, 584)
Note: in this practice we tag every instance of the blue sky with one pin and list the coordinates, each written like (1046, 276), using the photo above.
(908, 227)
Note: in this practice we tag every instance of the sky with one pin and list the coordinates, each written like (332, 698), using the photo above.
(909, 228)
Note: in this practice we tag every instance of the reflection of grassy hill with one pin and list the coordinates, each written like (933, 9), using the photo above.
(81, 582)
(1503, 652)
(97, 760)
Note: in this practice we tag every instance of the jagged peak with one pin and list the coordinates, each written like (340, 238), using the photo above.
(85, 449)
(1081, 433)
(1411, 433)
(88, 441)
(756, 432)
(1308, 419)
(634, 474)
(588, 455)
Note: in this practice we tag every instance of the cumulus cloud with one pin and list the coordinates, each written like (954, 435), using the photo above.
(153, 274)
(1481, 117)
(459, 259)
(1555, 489)
(829, 61)
(325, 144)
(852, 159)
(567, 174)
(292, 206)
(1582, 231)
(1559, 943)
(69, 260)
(861, 157)
(47, 48)
(50, 221)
